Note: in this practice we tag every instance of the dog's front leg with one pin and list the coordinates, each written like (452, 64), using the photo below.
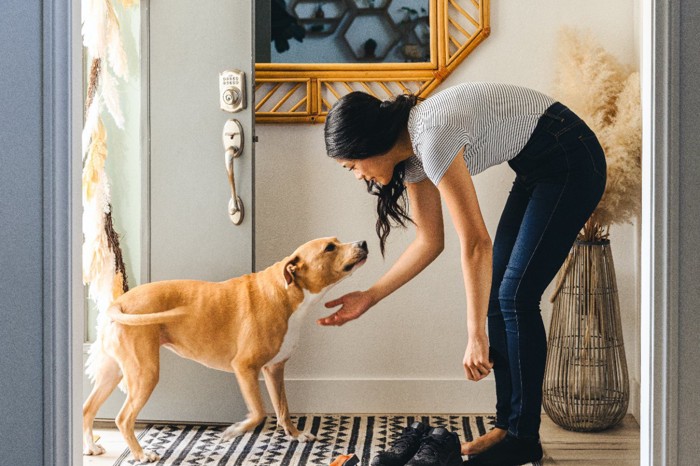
(247, 376)
(274, 380)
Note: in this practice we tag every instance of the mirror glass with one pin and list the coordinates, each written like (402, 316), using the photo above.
(342, 31)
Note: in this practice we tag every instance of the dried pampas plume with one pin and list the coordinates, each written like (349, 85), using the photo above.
(101, 251)
(606, 95)
(103, 266)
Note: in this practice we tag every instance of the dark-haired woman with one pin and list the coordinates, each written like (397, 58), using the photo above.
(429, 150)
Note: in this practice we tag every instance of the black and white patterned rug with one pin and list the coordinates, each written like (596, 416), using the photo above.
(268, 446)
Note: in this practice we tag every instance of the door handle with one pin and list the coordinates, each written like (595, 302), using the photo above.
(233, 147)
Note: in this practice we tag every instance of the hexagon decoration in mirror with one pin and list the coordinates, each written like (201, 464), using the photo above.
(318, 18)
(371, 48)
(425, 44)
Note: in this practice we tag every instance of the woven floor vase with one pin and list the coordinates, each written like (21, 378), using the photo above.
(586, 385)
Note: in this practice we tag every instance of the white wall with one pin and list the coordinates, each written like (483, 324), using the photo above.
(411, 344)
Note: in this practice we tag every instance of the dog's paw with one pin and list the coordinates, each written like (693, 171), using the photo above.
(304, 437)
(233, 431)
(94, 449)
(146, 456)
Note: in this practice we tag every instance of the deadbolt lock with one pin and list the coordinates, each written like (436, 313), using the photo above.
(232, 91)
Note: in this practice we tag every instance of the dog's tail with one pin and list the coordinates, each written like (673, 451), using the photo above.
(116, 314)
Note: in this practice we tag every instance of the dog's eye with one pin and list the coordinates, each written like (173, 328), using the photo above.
(330, 247)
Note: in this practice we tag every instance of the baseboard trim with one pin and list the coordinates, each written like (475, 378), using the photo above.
(391, 396)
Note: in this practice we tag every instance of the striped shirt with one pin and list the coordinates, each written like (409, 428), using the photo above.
(491, 121)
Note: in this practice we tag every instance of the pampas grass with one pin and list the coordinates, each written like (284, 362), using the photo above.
(103, 266)
(606, 95)
(101, 34)
(98, 258)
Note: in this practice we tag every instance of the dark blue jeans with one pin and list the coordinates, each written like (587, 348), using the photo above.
(560, 177)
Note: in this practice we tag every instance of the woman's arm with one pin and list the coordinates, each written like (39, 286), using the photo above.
(426, 213)
(460, 198)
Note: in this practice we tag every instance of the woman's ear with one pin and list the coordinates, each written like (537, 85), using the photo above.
(290, 269)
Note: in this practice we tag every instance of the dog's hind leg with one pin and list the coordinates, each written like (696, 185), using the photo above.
(106, 379)
(247, 376)
(141, 371)
(274, 380)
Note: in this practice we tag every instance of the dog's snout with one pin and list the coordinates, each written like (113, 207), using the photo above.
(362, 245)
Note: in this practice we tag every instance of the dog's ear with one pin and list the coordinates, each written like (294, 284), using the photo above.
(290, 269)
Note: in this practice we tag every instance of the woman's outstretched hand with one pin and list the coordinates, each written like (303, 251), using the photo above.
(476, 358)
(353, 306)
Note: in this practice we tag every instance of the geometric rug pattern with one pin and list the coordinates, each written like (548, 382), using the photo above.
(267, 445)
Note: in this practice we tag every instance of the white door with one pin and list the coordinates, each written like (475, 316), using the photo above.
(191, 235)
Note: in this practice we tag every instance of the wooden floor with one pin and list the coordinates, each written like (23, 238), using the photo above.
(618, 446)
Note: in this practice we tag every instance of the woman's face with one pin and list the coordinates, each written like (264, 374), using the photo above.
(378, 168)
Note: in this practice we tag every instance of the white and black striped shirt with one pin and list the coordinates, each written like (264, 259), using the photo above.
(491, 121)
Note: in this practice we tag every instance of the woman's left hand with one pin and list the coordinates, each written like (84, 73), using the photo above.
(476, 358)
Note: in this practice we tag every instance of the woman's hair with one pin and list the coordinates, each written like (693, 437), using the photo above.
(360, 126)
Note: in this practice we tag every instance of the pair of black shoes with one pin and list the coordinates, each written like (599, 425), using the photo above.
(421, 445)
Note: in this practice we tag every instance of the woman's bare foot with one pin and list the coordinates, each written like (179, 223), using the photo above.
(484, 442)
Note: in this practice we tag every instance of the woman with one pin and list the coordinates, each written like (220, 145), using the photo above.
(429, 151)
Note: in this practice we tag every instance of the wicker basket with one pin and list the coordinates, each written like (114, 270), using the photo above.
(586, 386)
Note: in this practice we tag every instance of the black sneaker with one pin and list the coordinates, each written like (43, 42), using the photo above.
(404, 447)
(439, 448)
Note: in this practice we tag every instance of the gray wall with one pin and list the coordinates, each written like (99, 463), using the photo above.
(37, 139)
(689, 257)
(21, 259)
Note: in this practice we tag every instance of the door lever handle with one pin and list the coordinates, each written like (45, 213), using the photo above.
(233, 147)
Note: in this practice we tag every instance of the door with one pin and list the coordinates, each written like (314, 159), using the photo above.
(191, 235)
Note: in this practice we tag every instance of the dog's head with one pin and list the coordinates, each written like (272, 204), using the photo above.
(323, 262)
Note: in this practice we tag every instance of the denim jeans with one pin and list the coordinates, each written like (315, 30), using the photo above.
(560, 177)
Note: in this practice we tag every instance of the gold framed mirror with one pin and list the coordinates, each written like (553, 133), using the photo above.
(304, 92)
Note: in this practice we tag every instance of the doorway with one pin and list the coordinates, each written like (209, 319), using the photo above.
(649, 316)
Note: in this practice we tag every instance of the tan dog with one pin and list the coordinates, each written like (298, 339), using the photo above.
(241, 325)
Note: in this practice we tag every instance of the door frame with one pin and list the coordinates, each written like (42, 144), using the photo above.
(63, 311)
(660, 257)
(63, 304)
